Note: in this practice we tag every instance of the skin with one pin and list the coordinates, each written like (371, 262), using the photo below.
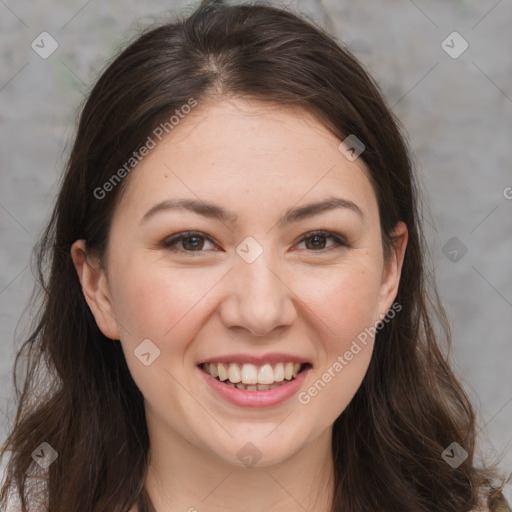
(257, 160)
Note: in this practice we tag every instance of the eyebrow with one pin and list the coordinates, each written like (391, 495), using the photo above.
(213, 211)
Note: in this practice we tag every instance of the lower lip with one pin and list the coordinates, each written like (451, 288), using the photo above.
(255, 399)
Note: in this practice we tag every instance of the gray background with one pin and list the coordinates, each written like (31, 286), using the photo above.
(457, 113)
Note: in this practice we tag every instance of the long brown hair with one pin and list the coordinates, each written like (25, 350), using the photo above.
(387, 443)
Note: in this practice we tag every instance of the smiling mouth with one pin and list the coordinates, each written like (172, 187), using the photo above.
(250, 377)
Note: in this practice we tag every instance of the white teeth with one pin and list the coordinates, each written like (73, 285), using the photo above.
(249, 374)
(223, 374)
(288, 371)
(266, 374)
(251, 377)
(234, 373)
(279, 372)
(252, 387)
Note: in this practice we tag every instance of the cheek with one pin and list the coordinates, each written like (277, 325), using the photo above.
(345, 303)
(154, 301)
(333, 387)
(166, 306)
(347, 308)
(162, 303)
(345, 299)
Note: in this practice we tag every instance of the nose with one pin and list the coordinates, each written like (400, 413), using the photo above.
(258, 298)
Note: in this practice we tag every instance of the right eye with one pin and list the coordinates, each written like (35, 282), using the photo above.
(191, 241)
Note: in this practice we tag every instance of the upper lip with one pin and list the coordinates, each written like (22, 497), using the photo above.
(257, 360)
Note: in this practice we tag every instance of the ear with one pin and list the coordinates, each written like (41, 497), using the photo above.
(392, 269)
(95, 288)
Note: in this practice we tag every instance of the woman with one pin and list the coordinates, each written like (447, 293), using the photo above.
(236, 312)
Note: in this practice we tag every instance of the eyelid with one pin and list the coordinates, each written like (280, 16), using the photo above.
(338, 239)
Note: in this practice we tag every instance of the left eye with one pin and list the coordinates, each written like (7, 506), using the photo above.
(317, 236)
(194, 242)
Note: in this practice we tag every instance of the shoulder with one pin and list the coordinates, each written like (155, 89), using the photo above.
(12, 503)
(498, 498)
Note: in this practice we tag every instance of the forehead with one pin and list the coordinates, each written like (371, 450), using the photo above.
(247, 151)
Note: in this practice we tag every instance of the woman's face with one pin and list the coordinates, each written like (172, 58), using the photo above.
(251, 285)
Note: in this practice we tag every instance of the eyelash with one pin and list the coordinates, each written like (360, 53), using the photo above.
(174, 240)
